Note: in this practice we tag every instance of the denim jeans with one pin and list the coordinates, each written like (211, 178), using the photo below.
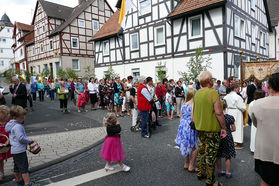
(144, 115)
(51, 92)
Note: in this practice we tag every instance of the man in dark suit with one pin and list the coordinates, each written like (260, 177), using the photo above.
(18, 92)
(250, 91)
(250, 96)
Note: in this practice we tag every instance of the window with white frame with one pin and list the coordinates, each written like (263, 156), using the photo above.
(95, 25)
(253, 33)
(2, 63)
(75, 64)
(136, 73)
(236, 25)
(134, 38)
(4, 40)
(75, 43)
(33, 50)
(101, 5)
(106, 48)
(145, 6)
(44, 28)
(8, 30)
(195, 26)
(38, 30)
(50, 44)
(42, 47)
(39, 69)
(253, 4)
(81, 23)
(1, 50)
(242, 28)
(21, 52)
(239, 27)
(263, 39)
(39, 10)
(160, 35)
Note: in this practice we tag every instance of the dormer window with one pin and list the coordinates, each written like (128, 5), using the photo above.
(145, 6)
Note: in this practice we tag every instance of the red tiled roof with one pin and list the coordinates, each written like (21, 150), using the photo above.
(28, 37)
(111, 27)
(24, 27)
(190, 5)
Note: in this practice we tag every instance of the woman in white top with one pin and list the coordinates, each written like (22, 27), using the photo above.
(265, 117)
(93, 91)
(257, 95)
(128, 87)
(236, 107)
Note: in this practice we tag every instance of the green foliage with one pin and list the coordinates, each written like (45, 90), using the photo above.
(110, 74)
(71, 74)
(8, 74)
(197, 64)
(45, 73)
(89, 72)
(67, 74)
(161, 71)
(61, 73)
(27, 76)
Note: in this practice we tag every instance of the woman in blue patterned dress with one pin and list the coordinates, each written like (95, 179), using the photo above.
(187, 138)
(118, 96)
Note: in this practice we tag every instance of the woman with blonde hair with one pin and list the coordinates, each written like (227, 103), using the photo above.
(4, 117)
(186, 137)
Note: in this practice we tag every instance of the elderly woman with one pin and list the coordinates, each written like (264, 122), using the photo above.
(265, 117)
(236, 107)
(209, 122)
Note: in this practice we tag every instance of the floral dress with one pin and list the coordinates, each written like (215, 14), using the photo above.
(108, 92)
(118, 98)
(4, 156)
(187, 139)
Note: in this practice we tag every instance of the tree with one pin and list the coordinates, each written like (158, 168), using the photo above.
(89, 72)
(8, 74)
(45, 73)
(161, 71)
(71, 74)
(198, 63)
(61, 73)
(110, 74)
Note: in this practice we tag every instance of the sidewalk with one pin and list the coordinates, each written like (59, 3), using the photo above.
(57, 147)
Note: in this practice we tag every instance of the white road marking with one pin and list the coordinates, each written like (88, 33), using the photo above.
(86, 177)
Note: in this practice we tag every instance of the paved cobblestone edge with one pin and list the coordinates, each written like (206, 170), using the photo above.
(56, 161)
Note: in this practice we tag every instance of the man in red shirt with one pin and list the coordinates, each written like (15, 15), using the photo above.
(144, 105)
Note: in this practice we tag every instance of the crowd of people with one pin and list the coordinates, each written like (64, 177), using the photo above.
(212, 115)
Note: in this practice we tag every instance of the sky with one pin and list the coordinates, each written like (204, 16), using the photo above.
(22, 10)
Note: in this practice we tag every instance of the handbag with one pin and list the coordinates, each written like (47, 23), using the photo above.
(34, 148)
(192, 125)
(4, 148)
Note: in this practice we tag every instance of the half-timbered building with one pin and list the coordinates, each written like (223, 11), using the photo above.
(22, 34)
(273, 6)
(168, 32)
(6, 41)
(62, 34)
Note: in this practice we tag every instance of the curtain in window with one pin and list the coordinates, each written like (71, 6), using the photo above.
(75, 64)
(196, 27)
(145, 6)
(160, 35)
(134, 41)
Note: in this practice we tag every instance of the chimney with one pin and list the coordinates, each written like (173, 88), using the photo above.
(79, 2)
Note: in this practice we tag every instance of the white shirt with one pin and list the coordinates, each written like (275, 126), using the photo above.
(146, 94)
(169, 97)
(93, 88)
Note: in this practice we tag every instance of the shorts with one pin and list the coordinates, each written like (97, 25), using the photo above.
(268, 171)
(20, 163)
(168, 106)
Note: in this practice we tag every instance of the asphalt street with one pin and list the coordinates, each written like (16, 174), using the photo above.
(153, 161)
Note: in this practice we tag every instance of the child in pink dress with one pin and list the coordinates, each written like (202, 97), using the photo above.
(4, 117)
(112, 150)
